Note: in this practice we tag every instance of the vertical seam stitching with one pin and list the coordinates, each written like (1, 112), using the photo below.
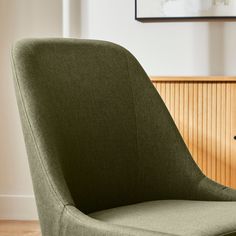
(60, 218)
(134, 103)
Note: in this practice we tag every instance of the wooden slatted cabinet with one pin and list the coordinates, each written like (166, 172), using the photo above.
(204, 110)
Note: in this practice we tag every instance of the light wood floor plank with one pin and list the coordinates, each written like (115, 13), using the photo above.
(19, 228)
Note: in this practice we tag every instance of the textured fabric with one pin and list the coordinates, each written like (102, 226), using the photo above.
(199, 218)
(98, 136)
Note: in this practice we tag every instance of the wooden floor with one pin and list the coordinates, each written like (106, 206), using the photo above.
(19, 228)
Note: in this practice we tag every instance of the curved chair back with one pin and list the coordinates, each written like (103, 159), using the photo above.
(98, 127)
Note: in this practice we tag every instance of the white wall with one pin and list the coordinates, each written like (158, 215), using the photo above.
(192, 48)
(19, 19)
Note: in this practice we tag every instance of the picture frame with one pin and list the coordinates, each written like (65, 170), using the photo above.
(185, 10)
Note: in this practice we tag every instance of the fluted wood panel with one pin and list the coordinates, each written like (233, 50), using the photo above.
(204, 112)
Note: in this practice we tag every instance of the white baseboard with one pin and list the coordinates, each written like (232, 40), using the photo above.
(18, 207)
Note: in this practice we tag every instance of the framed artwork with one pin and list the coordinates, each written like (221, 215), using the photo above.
(184, 9)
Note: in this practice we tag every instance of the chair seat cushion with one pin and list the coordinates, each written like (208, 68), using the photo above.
(179, 217)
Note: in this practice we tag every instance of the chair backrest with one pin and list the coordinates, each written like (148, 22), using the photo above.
(94, 111)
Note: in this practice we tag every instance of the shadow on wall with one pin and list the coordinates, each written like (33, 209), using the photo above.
(75, 12)
(216, 45)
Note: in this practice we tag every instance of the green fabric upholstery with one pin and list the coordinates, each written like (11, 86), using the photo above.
(99, 136)
(181, 217)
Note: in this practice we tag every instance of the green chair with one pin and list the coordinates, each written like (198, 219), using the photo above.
(105, 155)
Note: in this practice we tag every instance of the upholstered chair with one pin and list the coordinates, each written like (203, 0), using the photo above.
(105, 155)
